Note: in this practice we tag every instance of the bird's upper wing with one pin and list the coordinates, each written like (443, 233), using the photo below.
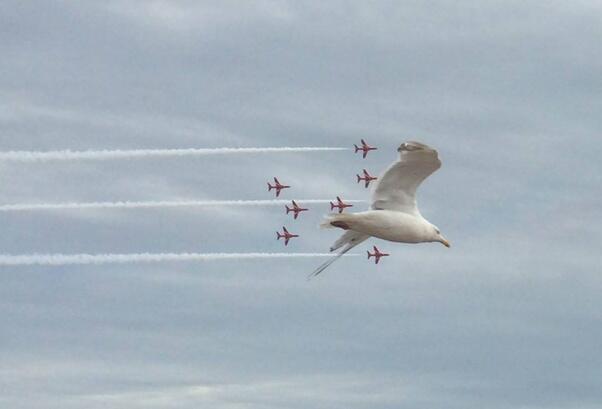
(396, 187)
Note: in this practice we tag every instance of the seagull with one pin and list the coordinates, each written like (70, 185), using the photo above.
(393, 214)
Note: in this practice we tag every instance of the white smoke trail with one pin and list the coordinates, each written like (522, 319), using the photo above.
(33, 156)
(69, 259)
(150, 204)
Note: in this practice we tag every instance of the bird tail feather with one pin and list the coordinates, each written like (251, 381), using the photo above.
(337, 218)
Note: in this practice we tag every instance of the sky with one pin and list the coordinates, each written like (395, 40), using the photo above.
(508, 92)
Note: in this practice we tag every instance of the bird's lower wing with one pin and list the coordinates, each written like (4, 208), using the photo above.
(351, 244)
(349, 237)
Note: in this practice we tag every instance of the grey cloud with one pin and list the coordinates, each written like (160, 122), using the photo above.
(506, 91)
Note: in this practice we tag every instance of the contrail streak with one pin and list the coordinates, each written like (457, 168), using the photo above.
(34, 156)
(69, 259)
(150, 204)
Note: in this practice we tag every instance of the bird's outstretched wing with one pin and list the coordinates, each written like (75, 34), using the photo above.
(396, 187)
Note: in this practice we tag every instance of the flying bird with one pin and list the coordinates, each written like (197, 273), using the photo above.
(393, 214)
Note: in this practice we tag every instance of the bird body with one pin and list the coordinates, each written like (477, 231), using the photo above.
(385, 224)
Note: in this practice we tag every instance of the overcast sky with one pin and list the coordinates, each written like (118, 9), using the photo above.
(509, 92)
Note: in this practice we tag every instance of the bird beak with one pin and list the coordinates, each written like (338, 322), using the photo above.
(445, 243)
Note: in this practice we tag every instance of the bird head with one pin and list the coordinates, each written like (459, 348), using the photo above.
(438, 237)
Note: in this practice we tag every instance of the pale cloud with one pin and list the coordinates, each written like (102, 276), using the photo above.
(506, 91)
(186, 16)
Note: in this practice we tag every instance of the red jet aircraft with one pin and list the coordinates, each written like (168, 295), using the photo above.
(277, 186)
(285, 235)
(365, 148)
(340, 205)
(295, 209)
(367, 178)
(377, 255)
